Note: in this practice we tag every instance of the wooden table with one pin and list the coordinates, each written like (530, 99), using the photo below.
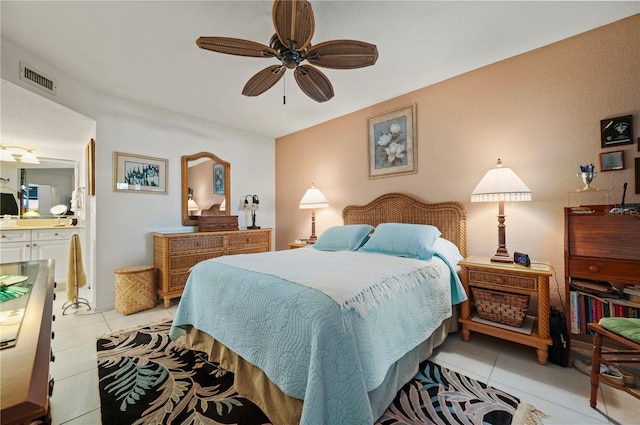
(25, 378)
(480, 272)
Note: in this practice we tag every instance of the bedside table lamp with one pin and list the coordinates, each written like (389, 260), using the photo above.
(252, 204)
(313, 199)
(498, 185)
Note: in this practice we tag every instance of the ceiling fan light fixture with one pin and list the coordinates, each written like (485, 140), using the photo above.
(291, 45)
(6, 156)
(29, 158)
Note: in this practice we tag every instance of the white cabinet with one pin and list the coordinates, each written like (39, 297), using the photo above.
(15, 245)
(38, 244)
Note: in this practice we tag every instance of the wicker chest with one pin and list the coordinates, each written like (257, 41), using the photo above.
(175, 253)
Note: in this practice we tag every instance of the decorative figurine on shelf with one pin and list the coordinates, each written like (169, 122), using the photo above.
(252, 203)
(586, 174)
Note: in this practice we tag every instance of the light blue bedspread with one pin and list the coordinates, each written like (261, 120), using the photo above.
(303, 340)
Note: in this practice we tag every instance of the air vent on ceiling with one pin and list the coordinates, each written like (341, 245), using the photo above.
(32, 76)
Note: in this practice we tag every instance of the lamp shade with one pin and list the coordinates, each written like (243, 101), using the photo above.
(192, 206)
(313, 198)
(500, 184)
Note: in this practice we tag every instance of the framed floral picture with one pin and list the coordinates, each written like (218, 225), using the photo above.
(137, 173)
(392, 143)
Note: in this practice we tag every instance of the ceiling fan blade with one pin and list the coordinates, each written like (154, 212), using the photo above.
(236, 46)
(263, 80)
(294, 22)
(313, 83)
(343, 54)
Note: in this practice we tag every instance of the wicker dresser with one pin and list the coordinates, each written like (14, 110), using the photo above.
(175, 253)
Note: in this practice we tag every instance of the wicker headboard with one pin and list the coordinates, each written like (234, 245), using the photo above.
(450, 217)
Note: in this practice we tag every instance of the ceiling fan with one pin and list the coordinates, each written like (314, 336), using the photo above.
(291, 44)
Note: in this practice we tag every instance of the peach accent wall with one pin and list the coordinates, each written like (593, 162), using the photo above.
(539, 112)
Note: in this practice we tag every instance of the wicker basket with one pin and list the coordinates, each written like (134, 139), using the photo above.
(135, 289)
(501, 307)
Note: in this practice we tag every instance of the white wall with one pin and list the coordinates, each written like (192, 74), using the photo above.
(125, 220)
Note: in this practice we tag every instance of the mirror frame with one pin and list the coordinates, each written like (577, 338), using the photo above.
(186, 218)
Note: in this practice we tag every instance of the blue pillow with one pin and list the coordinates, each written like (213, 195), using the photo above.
(448, 250)
(403, 240)
(343, 238)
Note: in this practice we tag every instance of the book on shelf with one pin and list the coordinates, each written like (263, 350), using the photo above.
(587, 308)
(598, 288)
(631, 289)
(573, 310)
(634, 298)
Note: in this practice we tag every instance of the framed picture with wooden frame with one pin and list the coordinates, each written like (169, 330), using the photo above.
(91, 168)
(392, 143)
(610, 161)
(137, 173)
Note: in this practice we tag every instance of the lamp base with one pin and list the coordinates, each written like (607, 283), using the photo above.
(501, 258)
(253, 227)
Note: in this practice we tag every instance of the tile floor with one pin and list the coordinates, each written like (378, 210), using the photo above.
(562, 393)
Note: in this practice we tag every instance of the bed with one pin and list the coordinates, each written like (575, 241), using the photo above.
(311, 353)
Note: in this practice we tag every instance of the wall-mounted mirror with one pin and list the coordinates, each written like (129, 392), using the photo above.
(30, 190)
(206, 187)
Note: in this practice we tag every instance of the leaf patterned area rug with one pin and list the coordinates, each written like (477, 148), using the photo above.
(146, 378)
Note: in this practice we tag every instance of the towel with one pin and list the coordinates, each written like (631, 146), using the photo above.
(75, 272)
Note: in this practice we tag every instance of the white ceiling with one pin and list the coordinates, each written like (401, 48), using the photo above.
(145, 51)
(28, 120)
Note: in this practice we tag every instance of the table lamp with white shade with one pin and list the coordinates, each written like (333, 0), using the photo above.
(313, 199)
(501, 184)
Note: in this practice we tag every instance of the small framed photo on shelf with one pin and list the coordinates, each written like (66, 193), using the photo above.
(610, 161)
(616, 131)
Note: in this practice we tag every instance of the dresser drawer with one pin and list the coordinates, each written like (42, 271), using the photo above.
(197, 242)
(177, 281)
(244, 238)
(503, 280)
(619, 271)
(248, 250)
(178, 262)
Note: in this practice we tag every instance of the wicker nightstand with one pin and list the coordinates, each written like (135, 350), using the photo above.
(480, 272)
(294, 245)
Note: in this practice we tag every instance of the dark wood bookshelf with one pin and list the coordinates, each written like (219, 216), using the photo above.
(601, 249)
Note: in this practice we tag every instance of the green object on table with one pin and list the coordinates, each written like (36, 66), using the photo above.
(9, 293)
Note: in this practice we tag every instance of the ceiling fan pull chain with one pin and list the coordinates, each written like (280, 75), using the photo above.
(284, 89)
